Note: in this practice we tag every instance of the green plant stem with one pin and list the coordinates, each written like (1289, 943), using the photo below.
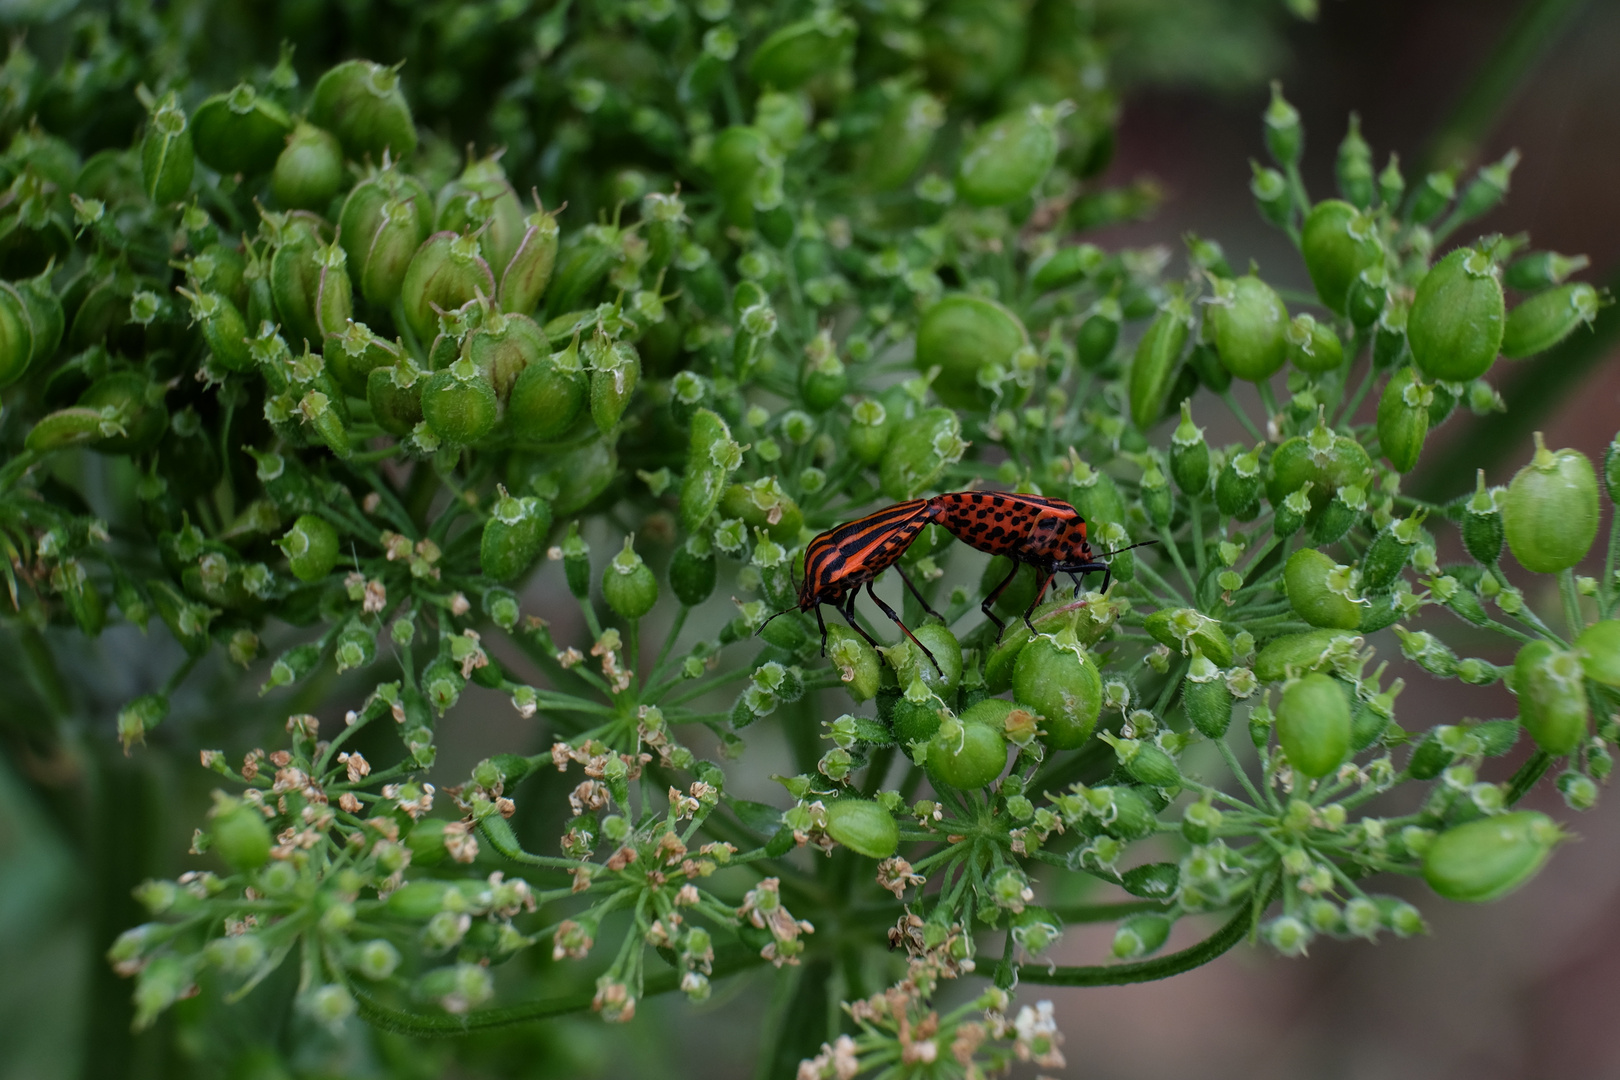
(1242, 417)
(1572, 603)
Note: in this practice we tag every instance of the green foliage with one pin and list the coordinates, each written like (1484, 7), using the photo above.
(282, 372)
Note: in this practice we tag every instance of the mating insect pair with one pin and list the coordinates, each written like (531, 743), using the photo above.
(1048, 534)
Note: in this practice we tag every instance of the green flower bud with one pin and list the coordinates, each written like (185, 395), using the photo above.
(240, 834)
(1542, 270)
(241, 954)
(361, 103)
(966, 755)
(513, 536)
(1189, 455)
(1237, 486)
(1456, 322)
(139, 717)
(1353, 169)
(1403, 418)
(1548, 318)
(1008, 158)
(524, 278)
(1157, 361)
(1338, 242)
(1550, 512)
(803, 50)
(628, 584)
(963, 335)
(311, 546)
(1599, 648)
(1552, 696)
(1098, 335)
(1313, 346)
(1488, 858)
(167, 157)
(356, 646)
(309, 171)
(161, 983)
(1322, 592)
(446, 272)
(458, 404)
(1251, 324)
(1285, 138)
(863, 826)
(239, 131)
(615, 372)
(1141, 935)
(1325, 460)
(1056, 679)
(1313, 725)
(1271, 196)
(919, 451)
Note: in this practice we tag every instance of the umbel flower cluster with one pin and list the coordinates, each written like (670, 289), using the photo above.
(353, 391)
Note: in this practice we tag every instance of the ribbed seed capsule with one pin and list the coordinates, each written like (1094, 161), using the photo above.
(1550, 512)
(1189, 454)
(1322, 592)
(1208, 702)
(1251, 325)
(1611, 468)
(1157, 361)
(309, 172)
(901, 142)
(459, 405)
(1313, 346)
(1237, 486)
(615, 372)
(384, 220)
(334, 293)
(1548, 318)
(354, 352)
(1390, 552)
(863, 826)
(628, 584)
(1433, 196)
(802, 50)
(295, 276)
(576, 560)
(548, 396)
(1056, 679)
(240, 131)
(693, 570)
(967, 753)
(1403, 418)
(446, 272)
(167, 157)
(1338, 242)
(223, 328)
(1456, 322)
(1482, 528)
(395, 395)
(1008, 158)
(513, 536)
(1157, 503)
(1368, 295)
(1389, 335)
(1328, 461)
(1553, 707)
(1270, 190)
(526, 275)
(361, 103)
(1285, 138)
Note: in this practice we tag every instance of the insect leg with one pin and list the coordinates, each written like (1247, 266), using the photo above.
(1046, 580)
(823, 624)
(995, 594)
(901, 571)
(889, 611)
(847, 610)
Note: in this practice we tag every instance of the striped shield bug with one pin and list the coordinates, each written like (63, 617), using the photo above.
(839, 561)
(1048, 534)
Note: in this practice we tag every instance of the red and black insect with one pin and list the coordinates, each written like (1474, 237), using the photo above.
(1048, 534)
(839, 561)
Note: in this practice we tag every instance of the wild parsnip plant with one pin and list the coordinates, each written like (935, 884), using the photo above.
(354, 392)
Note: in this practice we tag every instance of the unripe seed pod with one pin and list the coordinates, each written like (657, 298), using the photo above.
(1389, 553)
(1368, 296)
(334, 293)
(45, 317)
(1353, 169)
(966, 754)
(1187, 630)
(692, 571)
(1057, 680)
(513, 536)
(962, 335)
(446, 272)
(1285, 138)
(548, 396)
(1199, 822)
(1066, 266)
(385, 220)
(1325, 460)
(1293, 654)
(1209, 704)
(1599, 647)
(615, 373)
(223, 328)
(239, 131)
(81, 597)
(1322, 592)
(1488, 188)
(1552, 696)
(1237, 487)
(139, 402)
(857, 663)
(1482, 529)
(863, 826)
(1008, 158)
(1251, 325)
(167, 157)
(1542, 270)
(1133, 815)
(1433, 196)
(240, 835)
(1389, 336)
(764, 505)
(1313, 346)
(361, 103)
(1548, 318)
(1189, 455)
(311, 546)
(141, 716)
(71, 427)
(1313, 725)
(1403, 418)
(525, 276)
(910, 665)
(354, 352)
(1489, 857)
(1457, 317)
(356, 646)
(1146, 763)
(295, 280)
(502, 347)
(1611, 470)
(800, 51)
(1157, 361)
(712, 456)
(395, 396)
(309, 171)
(1141, 935)
(900, 143)
(1205, 362)
(919, 451)
(1098, 335)
(1550, 512)
(628, 584)
(1338, 242)
(458, 404)
(1270, 190)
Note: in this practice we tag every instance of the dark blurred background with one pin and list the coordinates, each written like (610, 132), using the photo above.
(1521, 988)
